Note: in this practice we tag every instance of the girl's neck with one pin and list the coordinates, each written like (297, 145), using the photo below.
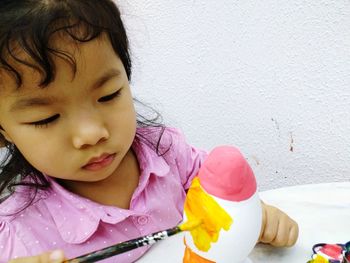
(116, 190)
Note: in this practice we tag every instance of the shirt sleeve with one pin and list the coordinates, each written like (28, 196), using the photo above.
(10, 246)
(188, 158)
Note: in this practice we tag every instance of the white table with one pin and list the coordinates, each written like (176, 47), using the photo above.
(321, 210)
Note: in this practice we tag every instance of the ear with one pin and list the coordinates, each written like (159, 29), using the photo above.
(4, 136)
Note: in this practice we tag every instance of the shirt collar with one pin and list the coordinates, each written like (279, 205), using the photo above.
(77, 218)
(150, 163)
(151, 160)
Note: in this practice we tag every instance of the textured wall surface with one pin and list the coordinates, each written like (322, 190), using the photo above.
(271, 77)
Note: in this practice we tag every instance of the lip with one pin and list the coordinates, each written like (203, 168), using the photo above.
(97, 163)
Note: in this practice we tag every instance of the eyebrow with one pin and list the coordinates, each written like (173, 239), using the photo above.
(112, 73)
(45, 101)
(31, 102)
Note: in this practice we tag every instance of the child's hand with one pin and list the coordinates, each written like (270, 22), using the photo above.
(55, 256)
(277, 228)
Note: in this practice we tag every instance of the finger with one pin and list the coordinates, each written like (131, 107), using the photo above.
(293, 235)
(43, 258)
(282, 234)
(263, 220)
(270, 231)
(56, 256)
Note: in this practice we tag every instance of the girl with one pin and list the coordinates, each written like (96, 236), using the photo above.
(83, 170)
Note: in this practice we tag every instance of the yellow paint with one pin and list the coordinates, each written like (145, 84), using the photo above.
(201, 206)
(319, 259)
(190, 225)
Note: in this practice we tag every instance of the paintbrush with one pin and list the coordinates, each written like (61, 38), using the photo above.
(134, 243)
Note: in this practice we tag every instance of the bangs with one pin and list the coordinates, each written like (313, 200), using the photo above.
(29, 28)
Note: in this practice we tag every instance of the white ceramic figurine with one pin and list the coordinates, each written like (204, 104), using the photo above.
(228, 179)
(224, 195)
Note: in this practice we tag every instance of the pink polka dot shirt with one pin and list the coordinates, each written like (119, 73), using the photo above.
(60, 219)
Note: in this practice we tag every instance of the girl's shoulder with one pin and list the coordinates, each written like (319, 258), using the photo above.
(9, 204)
(181, 157)
(7, 241)
(165, 141)
(158, 131)
(13, 223)
(16, 205)
(163, 135)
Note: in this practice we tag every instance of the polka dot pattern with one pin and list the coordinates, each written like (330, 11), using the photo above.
(78, 225)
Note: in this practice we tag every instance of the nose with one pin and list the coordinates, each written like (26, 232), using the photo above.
(88, 131)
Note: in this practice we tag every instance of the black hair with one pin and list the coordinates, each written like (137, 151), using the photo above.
(29, 25)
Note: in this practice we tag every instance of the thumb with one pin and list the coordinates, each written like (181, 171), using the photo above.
(263, 220)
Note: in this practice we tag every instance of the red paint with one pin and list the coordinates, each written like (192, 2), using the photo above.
(227, 175)
(96, 164)
(347, 256)
(333, 251)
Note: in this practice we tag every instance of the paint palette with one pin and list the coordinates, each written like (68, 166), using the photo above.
(331, 253)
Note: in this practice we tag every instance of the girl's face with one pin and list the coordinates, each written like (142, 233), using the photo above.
(81, 126)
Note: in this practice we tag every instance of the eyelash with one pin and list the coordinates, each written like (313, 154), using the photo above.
(110, 97)
(46, 122)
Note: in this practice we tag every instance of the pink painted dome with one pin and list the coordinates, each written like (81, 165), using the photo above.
(226, 174)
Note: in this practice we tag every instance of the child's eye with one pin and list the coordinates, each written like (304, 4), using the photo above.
(109, 97)
(44, 123)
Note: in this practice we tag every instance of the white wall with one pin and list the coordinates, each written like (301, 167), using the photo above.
(271, 77)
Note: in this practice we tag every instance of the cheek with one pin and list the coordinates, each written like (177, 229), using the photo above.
(123, 128)
(36, 149)
(123, 116)
(123, 123)
(43, 156)
(131, 119)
